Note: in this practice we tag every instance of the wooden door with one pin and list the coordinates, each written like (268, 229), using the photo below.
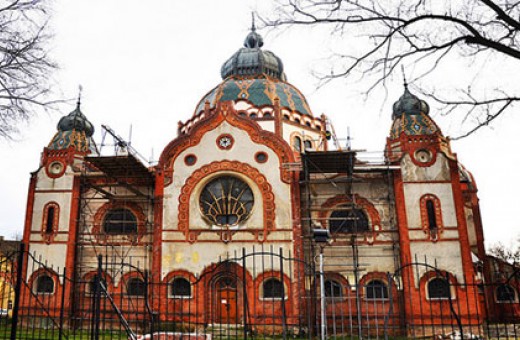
(226, 301)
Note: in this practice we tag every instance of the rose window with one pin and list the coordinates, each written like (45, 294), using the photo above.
(226, 201)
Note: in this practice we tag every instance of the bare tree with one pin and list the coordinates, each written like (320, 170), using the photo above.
(509, 254)
(24, 63)
(384, 35)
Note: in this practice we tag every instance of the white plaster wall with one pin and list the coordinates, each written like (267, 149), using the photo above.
(289, 129)
(243, 151)
(40, 199)
(64, 182)
(54, 256)
(446, 255)
(413, 193)
(267, 125)
(196, 257)
(438, 171)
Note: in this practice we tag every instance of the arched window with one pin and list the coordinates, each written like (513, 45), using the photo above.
(505, 293)
(253, 115)
(347, 219)
(430, 209)
(333, 288)
(272, 289)
(44, 285)
(297, 144)
(376, 290)
(297, 120)
(431, 215)
(439, 288)
(135, 287)
(226, 201)
(307, 145)
(51, 214)
(267, 114)
(120, 221)
(92, 284)
(180, 287)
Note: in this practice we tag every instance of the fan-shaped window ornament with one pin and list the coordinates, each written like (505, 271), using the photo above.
(120, 221)
(346, 219)
(226, 201)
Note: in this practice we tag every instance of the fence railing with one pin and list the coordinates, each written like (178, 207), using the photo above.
(252, 295)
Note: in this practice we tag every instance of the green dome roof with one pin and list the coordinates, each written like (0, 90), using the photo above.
(410, 115)
(251, 59)
(256, 76)
(74, 130)
(259, 90)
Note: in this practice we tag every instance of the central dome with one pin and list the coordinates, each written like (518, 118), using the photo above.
(256, 76)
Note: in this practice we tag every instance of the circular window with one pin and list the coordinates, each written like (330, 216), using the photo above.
(226, 201)
(423, 156)
(55, 169)
(261, 157)
(190, 159)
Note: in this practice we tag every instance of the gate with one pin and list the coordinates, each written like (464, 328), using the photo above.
(251, 294)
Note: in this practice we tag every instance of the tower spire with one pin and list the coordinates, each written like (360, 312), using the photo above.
(253, 27)
(80, 90)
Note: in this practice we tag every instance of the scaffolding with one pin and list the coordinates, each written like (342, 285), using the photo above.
(336, 181)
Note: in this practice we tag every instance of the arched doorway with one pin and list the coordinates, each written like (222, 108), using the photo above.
(226, 300)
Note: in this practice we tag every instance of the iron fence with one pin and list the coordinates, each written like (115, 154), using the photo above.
(256, 294)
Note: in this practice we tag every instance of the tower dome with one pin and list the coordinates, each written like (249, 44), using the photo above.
(256, 76)
(411, 116)
(74, 130)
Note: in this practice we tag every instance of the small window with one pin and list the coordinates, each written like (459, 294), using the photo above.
(267, 114)
(253, 115)
(242, 114)
(308, 124)
(92, 284)
(297, 144)
(120, 221)
(297, 120)
(180, 287)
(135, 287)
(376, 290)
(333, 289)
(432, 220)
(273, 289)
(307, 145)
(346, 219)
(49, 225)
(505, 294)
(439, 288)
(286, 117)
(44, 285)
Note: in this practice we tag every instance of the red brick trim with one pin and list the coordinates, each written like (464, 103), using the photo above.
(104, 238)
(234, 166)
(47, 236)
(434, 234)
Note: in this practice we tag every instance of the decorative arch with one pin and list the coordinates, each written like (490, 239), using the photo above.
(431, 216)
(438, 274)
(50, 221)
(272, 275)
(374, 219)
(224, 111)
(33, 281)
(233, 166)
(102, 237)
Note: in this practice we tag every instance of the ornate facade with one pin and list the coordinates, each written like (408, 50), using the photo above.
(252, 169)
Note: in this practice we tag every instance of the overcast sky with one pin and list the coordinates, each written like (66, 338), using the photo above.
(146, 64)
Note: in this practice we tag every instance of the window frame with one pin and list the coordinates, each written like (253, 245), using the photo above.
(506, 285)
(180, 297)
(37, 284)
(130, 280)
(373, 290)
(338, 284)
(263, 290)
(347, 208)
(450, 289)
(123, 232)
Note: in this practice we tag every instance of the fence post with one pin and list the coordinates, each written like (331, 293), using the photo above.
(17, 291)
(284, 317)
(97, 299)
(244, 292)
(62, 307)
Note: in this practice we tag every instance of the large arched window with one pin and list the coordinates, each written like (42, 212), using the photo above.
(347, 219)
(333, 288)
(226, 201)
(272, 289)
(120, 221)
(505, 294)
(180, 288)
(376, 290)
(44, 285)
(92, 284)
(135, 287)
(439, 288)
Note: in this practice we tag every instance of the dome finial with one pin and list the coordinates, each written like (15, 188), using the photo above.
(404, 78)
(253, 27)
(80, 89)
